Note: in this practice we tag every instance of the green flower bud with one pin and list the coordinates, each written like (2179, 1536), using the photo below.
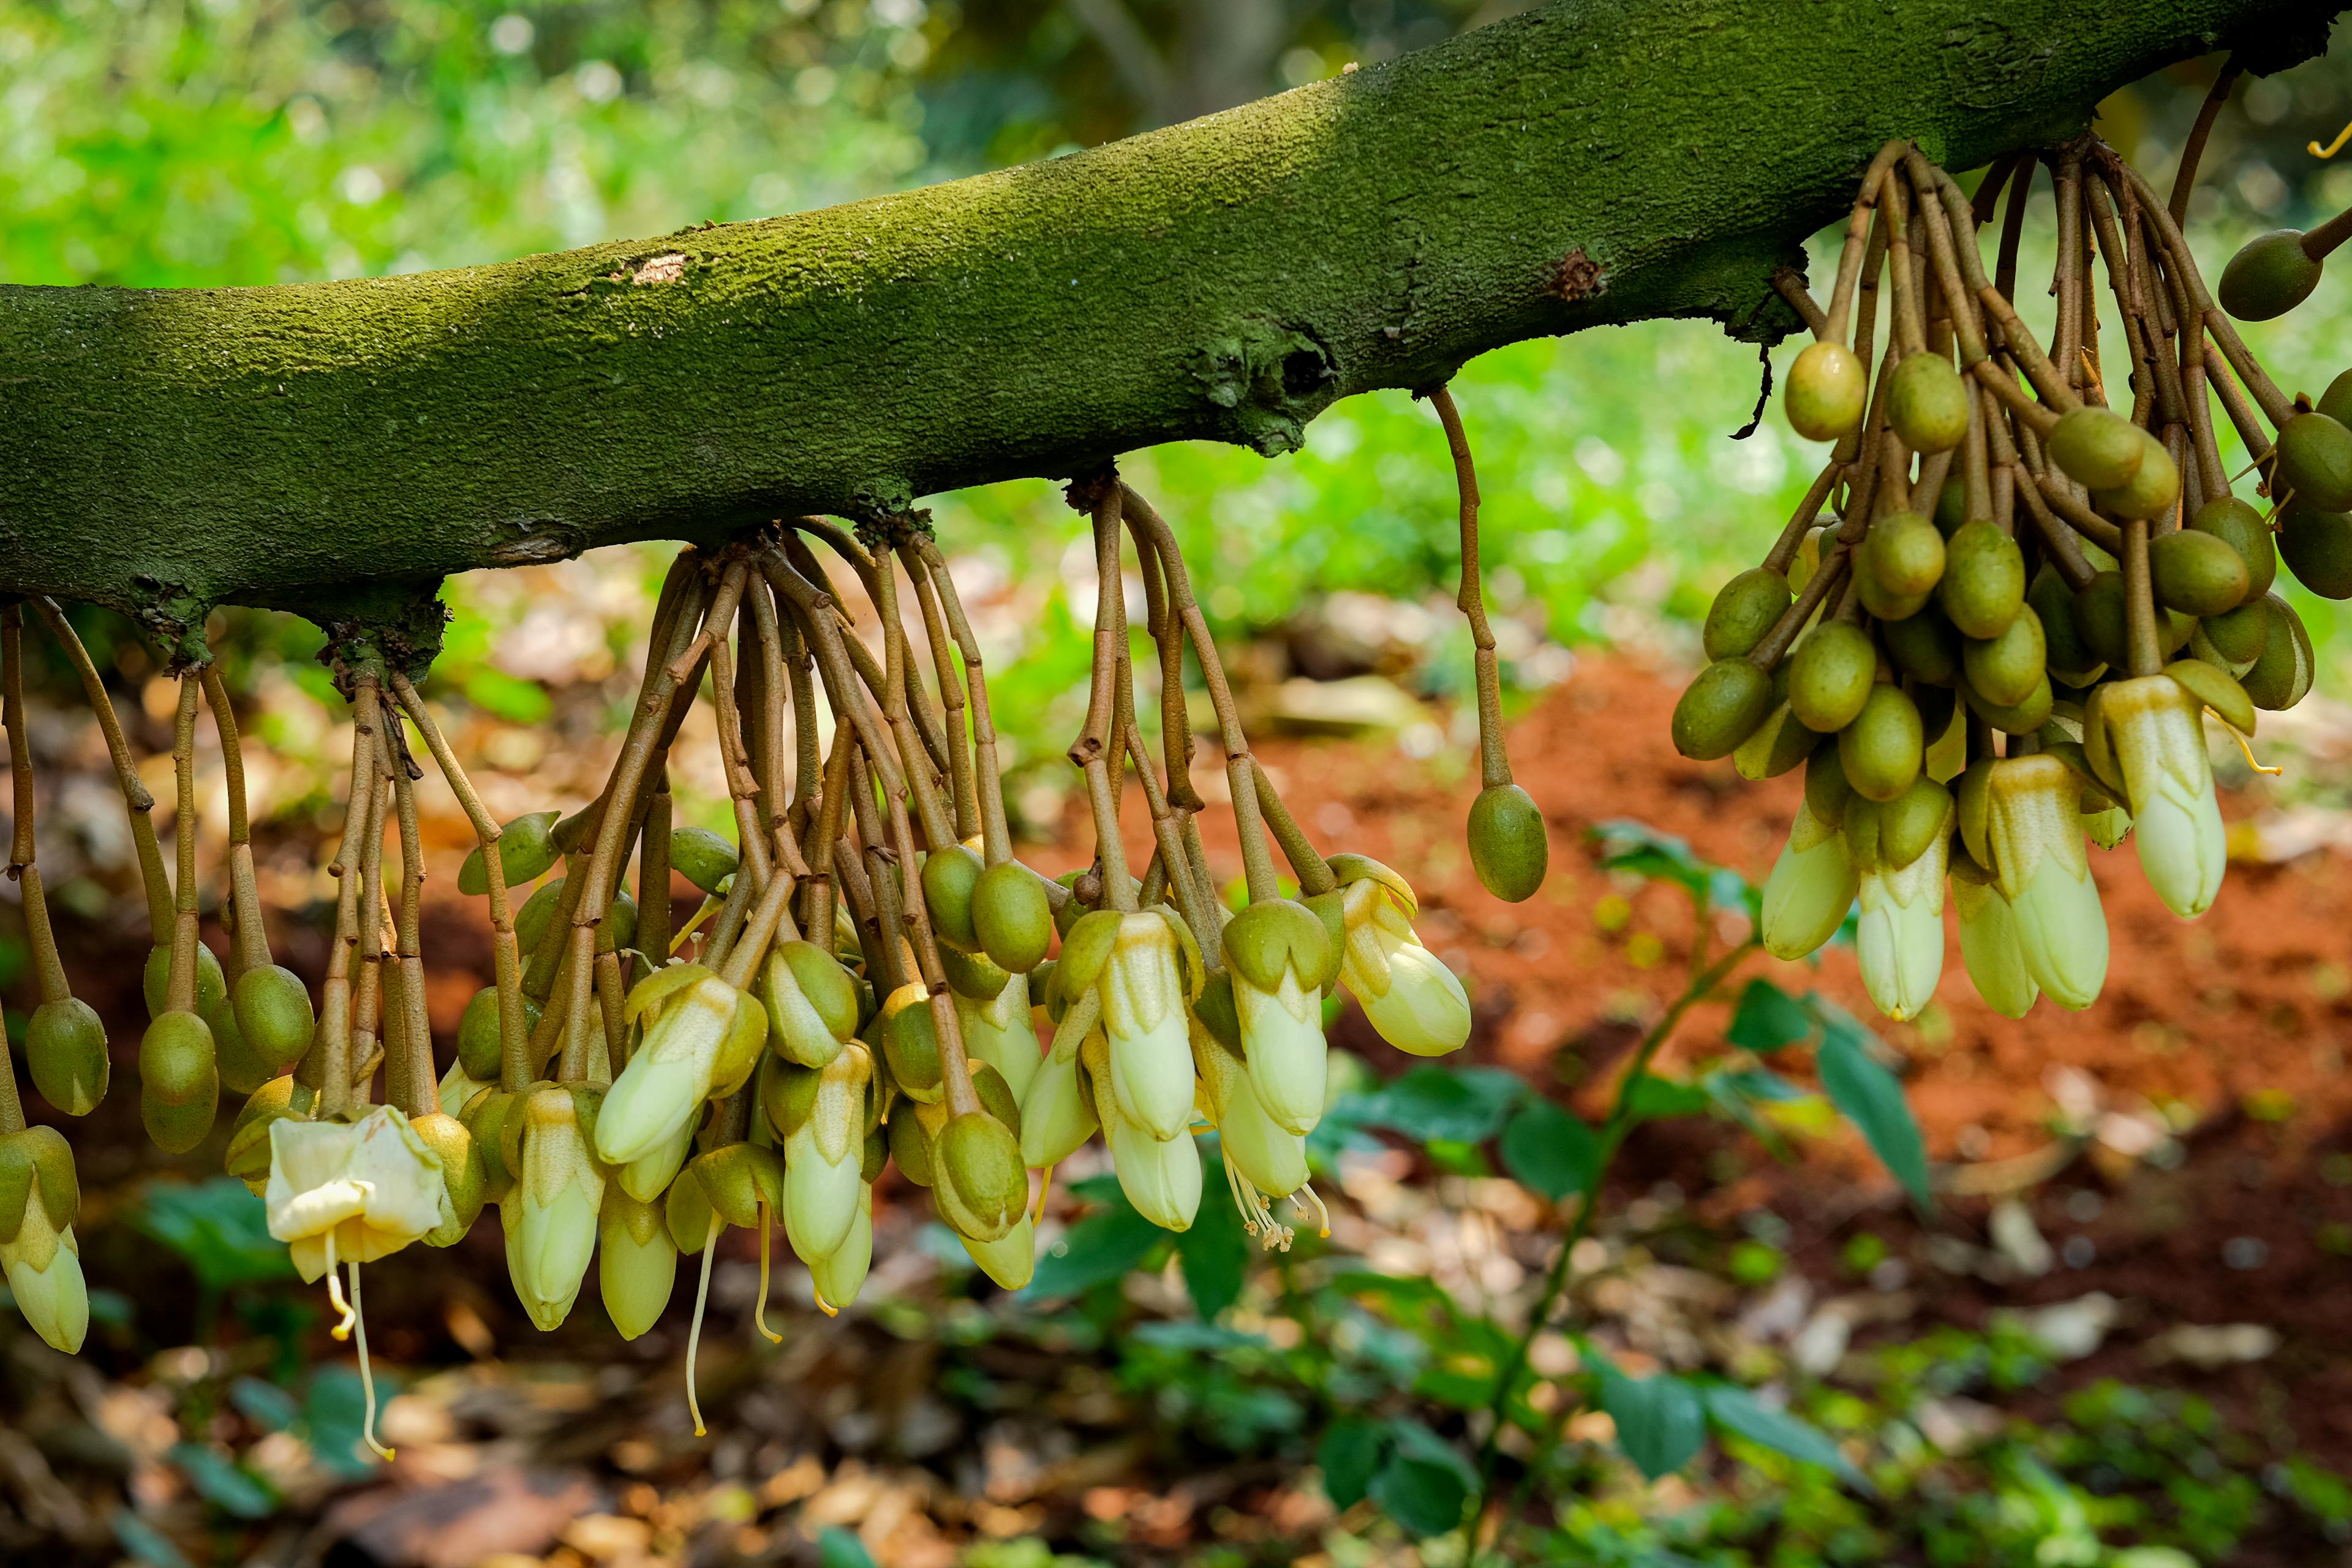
(840, 1274)
(65, 1046)
(532, 920)
(1900, 936)
(1510, 847)
(1730, 699)
(1745, 608)
(2004, 670)
(461, 1174)
(1002, 1033)
(42, 1262)
(813, 1003)
(550, 1216)
(2158, 746)
(1779, 744)
(702, 858)
(273, 1014)
(2014, 719)
(911, 1044)
(1984, 580)
(2244, 530)
(2198, 573)
(825, 1152)
(1989, 943)
(2034, 832)
(179, 1085)
(2096, 447)
(1826, 388)
(2271, 275)
(977, 1180)
(2314, 461)
(694, 1048)
(212, 983)
(1144, 992)
(2066, 653)
(1913, 822)
(1828, 792)
(249, 1137)
(1011, 916)
(2152, 488)
(2234, 639)
(637, 1262)
(1058, 1114)
(1928, 404)
(1812, 887)
(739, 1180)
(1011, 1259)
(949, 875)
(241, 1071)
(2280, 677)
(479, 1046)
(1881, 751)
(525, 850)
(1904, 554)
(648, 1175)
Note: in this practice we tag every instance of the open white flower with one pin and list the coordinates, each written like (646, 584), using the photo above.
(352, 1191)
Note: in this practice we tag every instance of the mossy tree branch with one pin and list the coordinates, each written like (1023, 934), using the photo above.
(337, 448)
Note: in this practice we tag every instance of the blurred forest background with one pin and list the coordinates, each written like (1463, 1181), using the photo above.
(2110, 1345)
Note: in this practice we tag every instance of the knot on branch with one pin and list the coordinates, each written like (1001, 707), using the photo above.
(883, 528)
(1088, 490)
(382, 629)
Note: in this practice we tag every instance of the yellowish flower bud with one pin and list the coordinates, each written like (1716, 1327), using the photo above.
(1900, 937)
(1414, 1001)
(2156, 734)
(550, 1215)
(1002, 1032)
(1989, 943)
(2034, 832)
(1812, 887)
(637, 1262)
(43, 1264)
(1143, 1003)
(688, 1054)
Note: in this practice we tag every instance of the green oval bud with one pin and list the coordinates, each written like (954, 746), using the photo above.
(2316, 546)
(1951, 507)
(2004, 670)
(949, 876)
(248, 1139)
(2336, 401)
(1510, 848)
(241, 1070)
(2070, 658)
(618, 929)
(1779, 744)
(910, 1043)
(274, 1013)
(1928, 404)
(179, 1085)
(996, 1096)
(1720, 708)
(1745, 608)
(1924, 647)
(480, 1050)
(1830, 675)
(538, 913)
(2242, 528)
(2281, 678)
(2271, 275)
(2197, 572)
(1881, 750)
(1828, 792)
(2014, 719)
(702, 856)
(910, 1144)
(2098, 448)
(461, 1172)
(971, 974)
(1904, 554)
(636, 1261)
(1984, 580)
(154, 982)
(65, 1046)
(2315, 460)
(2100, 619)
(1011, 917)
(1909, 823)
(2154, 485)
(2235, 638)
(979, 1182)
(1825, 396)
(525, 850)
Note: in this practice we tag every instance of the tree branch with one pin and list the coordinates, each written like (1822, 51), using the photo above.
(337, 448)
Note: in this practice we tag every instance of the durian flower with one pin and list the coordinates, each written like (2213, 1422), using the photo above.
(1988, 944)
(2155, 732)
(1900, 936)
(1414, 1002)
(39, 1253)
(703, 1040)
(550, 1212)
(352, 1191)
(1812, 887)
(2034, 832)
(1279, 956)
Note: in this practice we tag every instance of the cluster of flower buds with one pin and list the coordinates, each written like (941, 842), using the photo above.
(2024, 600)
(862, 984)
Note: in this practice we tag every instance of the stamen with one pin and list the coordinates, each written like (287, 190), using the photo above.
(367, 1377)
(1322, 1212)
(342, 1331)
(2316, 150)
(2244, 746)
(1036, 1210)
(710, 906)
(759, 1307)
(827, 1308)
(694, 1335)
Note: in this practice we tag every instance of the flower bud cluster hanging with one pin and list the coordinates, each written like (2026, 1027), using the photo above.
(861, 984)
(2033, 579)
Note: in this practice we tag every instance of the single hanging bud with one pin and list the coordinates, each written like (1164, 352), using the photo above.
(65, 1046)
(949, 876)
(1011, 917)
(1058, 1114)
(212, 982)
(1988, 944)
(1812, 887)
(2154, 732)
(1900, 937)
(2033, 835)
(179, 1082)
(1826, 388)
(840, 1274)
(1277, 953)
(39, 1198)
(811, 1003)
(820, 1114)
(1744, 610)
(1928, 403)
(1146, 977)
(526, 849)
(550, 1214)
(703, 1040)
(636, 1261)
(2270, 275)
(979, 1182)
(1012, 1258)
(2314, 461)
(1412, 999)
(1510, 848)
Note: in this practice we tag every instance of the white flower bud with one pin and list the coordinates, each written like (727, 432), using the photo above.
(1812, 887)
(44, 1271)
(1002, 1032)
(1989, 943)
(1142, 991)
(1900, 936)
(2157, 735)
(2033, 831)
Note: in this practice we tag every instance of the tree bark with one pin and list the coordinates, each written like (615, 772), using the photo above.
(337, 448)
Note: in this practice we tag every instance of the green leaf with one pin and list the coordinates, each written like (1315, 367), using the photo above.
(1655, 1098)
(1460, 1105)
(1426, 1485)
(221, 1482)
(1549, 1152)
(333, 1416)
(1735, 1409)
(1101, 1247)
(1214, 1253)
(145, 1542)
(1661, 1421)
(1349, 1457)
(836, 1548)
(265, 1405)
(1872, 1099)
(219, 1227)
(1769, 1019)
(1626, 845)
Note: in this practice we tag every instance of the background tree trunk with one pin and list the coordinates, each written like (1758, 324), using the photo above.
(337, 448)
